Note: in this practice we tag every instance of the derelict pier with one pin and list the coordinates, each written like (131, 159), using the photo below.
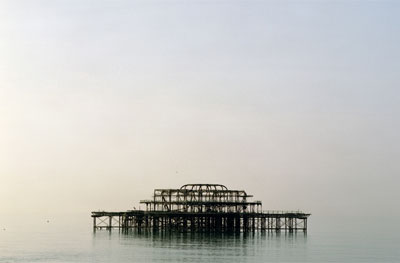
(201, 208)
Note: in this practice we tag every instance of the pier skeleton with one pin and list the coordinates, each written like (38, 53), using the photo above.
(202, 208)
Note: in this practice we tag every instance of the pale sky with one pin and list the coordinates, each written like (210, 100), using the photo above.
(296, 102)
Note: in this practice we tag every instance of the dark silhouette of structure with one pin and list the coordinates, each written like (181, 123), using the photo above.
(202, 208)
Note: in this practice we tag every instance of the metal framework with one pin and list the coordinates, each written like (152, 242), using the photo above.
(202, 207)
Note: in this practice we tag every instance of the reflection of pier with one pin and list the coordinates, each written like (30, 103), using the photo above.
(202, 208)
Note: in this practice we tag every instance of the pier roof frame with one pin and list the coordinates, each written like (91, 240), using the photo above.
(204, 187)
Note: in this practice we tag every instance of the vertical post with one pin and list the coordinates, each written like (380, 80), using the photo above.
(290, 224)
(192, 226)
(277, 223)
(245, 223)
(184, 219)
(286, 223)
(237, 224)
(94, 223)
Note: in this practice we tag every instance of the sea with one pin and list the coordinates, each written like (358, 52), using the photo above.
(48, 240)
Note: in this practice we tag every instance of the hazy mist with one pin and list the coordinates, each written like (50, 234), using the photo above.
(296, 102)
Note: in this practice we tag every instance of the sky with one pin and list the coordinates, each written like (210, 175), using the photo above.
(296, 102)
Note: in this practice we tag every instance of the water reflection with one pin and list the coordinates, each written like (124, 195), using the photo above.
(170, 246)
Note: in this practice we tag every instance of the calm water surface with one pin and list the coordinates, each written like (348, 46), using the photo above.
(51, 243)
